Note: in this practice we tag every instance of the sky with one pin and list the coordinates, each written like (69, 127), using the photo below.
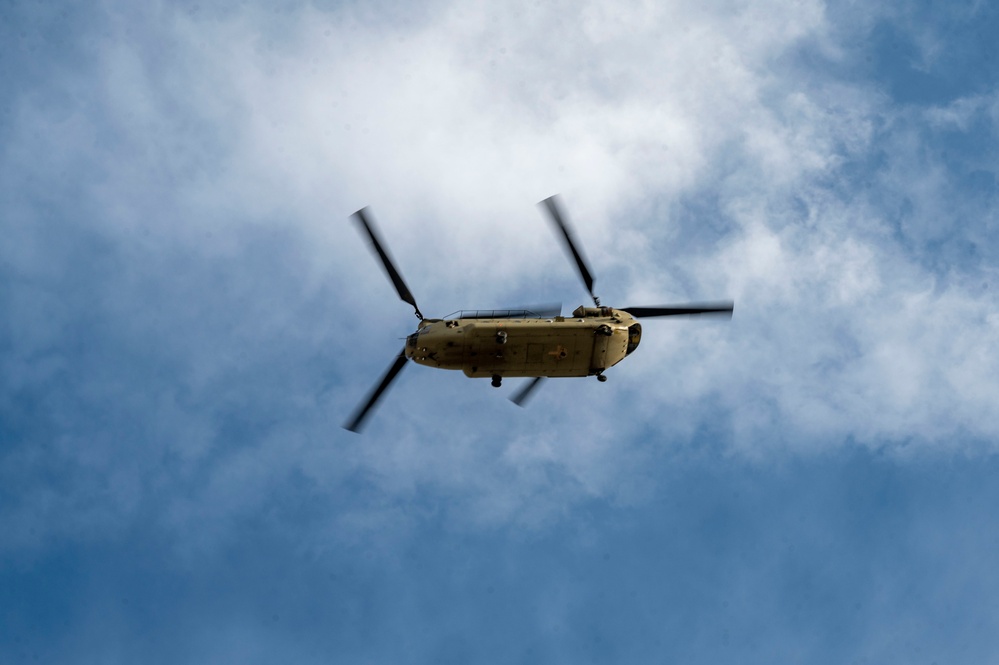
(187, 318)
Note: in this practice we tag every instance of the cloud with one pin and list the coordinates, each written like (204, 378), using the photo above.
(183, 273)
(188, 316)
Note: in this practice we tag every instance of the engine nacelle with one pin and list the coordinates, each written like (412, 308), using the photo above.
(591, 312)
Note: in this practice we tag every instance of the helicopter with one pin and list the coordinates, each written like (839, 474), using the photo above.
(535, 343)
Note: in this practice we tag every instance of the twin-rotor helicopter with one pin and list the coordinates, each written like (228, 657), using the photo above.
(498, 344)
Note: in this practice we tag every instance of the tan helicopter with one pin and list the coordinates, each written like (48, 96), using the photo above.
(521, 343)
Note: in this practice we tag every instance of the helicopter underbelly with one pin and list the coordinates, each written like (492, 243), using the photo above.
(524, 347)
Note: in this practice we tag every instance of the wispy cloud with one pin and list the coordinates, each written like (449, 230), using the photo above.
(191, 315)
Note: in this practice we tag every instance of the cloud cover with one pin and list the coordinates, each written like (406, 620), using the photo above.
(190, 316)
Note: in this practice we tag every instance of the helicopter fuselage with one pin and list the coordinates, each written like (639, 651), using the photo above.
(586, 343)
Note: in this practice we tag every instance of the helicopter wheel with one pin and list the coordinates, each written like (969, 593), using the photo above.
(601, 378)
(497, 380)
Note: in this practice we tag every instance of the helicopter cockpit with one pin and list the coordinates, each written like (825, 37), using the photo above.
(634, 337)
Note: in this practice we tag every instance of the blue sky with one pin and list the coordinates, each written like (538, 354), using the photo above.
(189, 316)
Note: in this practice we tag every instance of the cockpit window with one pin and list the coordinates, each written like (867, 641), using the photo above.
(634, 337)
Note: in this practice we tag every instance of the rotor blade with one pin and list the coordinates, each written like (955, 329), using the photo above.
(551, 203)
(544, 311)
(690, 309)
(354, 424)
(400, 286)
(521, 395)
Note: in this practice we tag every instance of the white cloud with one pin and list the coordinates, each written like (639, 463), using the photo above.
(451, 128)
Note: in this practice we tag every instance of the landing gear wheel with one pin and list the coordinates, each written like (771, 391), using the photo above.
(497, 380)
(605, 330)
(601, 378)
